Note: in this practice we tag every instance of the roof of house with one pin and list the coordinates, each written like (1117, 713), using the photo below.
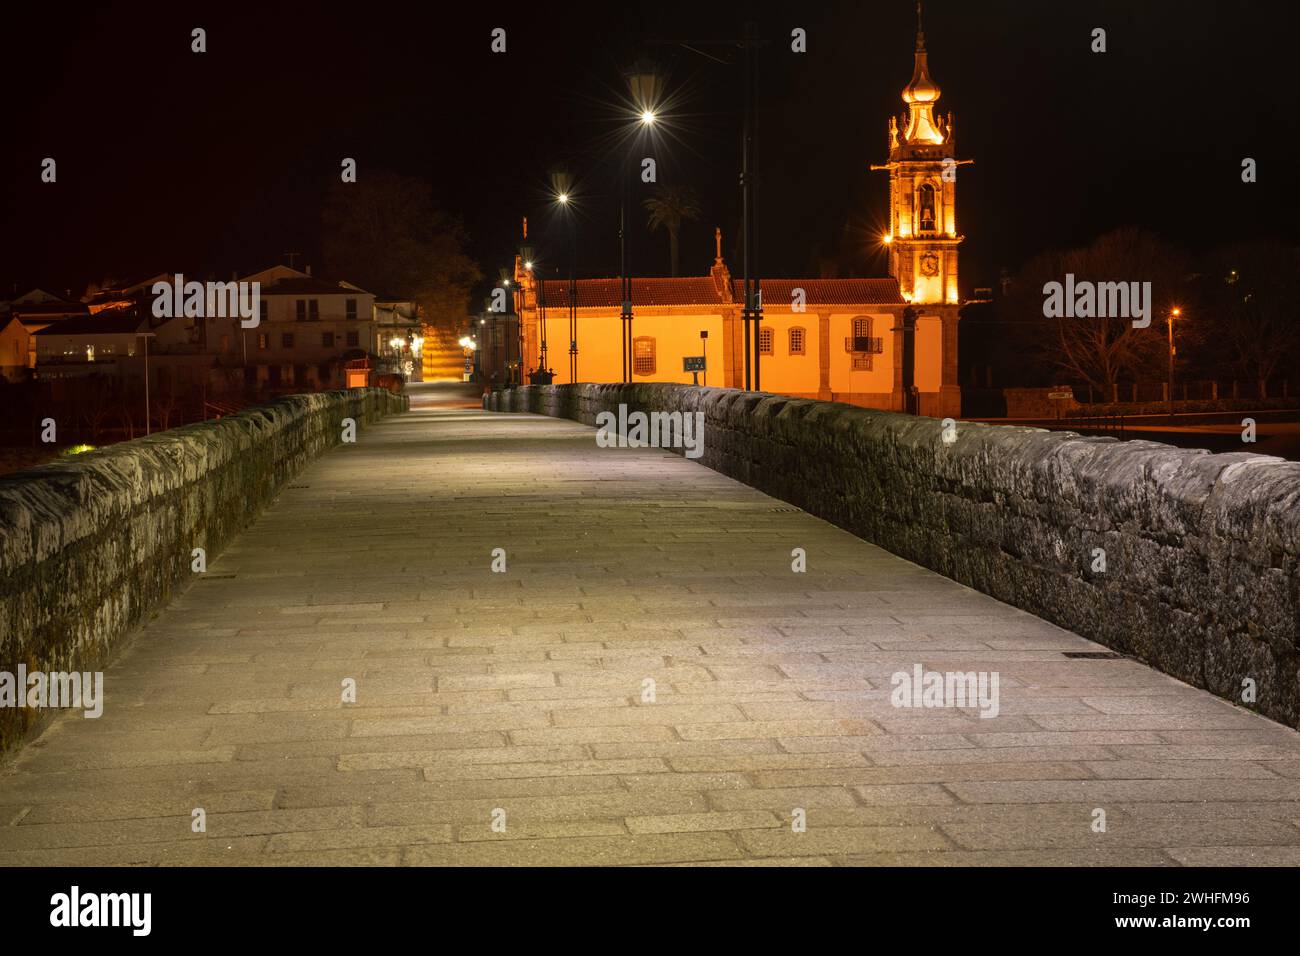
(48, 307)
(105, 323)
(702, 290)
(309, 285)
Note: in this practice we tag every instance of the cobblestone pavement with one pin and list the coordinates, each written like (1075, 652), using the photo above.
(647, 682)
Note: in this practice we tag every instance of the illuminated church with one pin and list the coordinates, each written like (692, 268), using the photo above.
(888, 343)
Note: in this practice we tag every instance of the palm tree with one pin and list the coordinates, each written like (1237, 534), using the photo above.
(667, 209)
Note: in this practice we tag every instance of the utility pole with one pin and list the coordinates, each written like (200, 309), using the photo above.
(753, 302)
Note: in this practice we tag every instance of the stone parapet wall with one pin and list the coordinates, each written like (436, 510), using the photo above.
(1202, 551)
(90, 545)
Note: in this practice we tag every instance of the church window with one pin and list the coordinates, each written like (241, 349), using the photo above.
(765, 341)
(796, 341)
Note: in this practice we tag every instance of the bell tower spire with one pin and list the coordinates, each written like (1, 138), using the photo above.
(922, 235)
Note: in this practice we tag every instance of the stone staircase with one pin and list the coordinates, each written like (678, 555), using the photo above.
(442, 358)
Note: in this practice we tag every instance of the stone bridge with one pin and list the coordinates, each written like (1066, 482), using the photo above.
(475, 637)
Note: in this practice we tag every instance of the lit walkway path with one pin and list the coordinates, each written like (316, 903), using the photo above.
(522, 692)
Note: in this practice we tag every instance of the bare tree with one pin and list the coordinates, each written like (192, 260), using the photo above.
(1255, 288)
(1099, 351)
(93, 405)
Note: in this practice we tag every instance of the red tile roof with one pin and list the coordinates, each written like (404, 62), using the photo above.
(702, 290)
(600, 293)
(827, 291)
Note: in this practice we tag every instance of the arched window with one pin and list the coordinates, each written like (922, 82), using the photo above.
(925, 205)
(797, 339)
(765, 337)
(643, 355)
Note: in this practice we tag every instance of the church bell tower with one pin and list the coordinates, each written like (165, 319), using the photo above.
(922, 234)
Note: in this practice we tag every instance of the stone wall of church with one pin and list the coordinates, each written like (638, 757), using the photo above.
(1185, 560)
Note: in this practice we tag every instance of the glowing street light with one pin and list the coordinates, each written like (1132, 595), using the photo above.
(561, 185)
(644, 85)
(1174, 313)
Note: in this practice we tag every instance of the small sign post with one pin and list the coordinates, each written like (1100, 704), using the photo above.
(1057, 398)
(695, 365)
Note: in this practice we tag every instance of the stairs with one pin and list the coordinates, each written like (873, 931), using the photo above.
(442, 358)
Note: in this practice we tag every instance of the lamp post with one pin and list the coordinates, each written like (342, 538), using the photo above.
(504, 278)
(468, 347)
(417, 356)
(752, 298)
(146, 336)
(643, 83)
(526, 256)
(562, 185)
(1173, 314)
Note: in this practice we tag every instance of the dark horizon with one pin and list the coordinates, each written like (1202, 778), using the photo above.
(216, 162)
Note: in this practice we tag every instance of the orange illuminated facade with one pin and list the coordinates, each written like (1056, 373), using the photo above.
(888, 343)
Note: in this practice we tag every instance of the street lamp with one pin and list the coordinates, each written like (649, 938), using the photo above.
(644, 84)
(562, 186)
(503, 275)
(1173, 314)
(526, 257)
(417, 354)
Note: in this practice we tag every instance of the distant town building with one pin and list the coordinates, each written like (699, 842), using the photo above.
(888, 343)
(308, 329)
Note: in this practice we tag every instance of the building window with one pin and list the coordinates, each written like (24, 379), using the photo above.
(313, 309)
(263, 341)
(643, 355)
(862, 344)
(354, 339)
(263, 310)
(796, 341)
(286, 340)
(765, 337)
(925, 200)
(352, 308)
(301, 310)
(327, 339)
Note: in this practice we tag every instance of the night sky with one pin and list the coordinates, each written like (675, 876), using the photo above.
(170, 160)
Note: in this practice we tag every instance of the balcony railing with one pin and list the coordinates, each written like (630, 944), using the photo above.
(869, 345)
